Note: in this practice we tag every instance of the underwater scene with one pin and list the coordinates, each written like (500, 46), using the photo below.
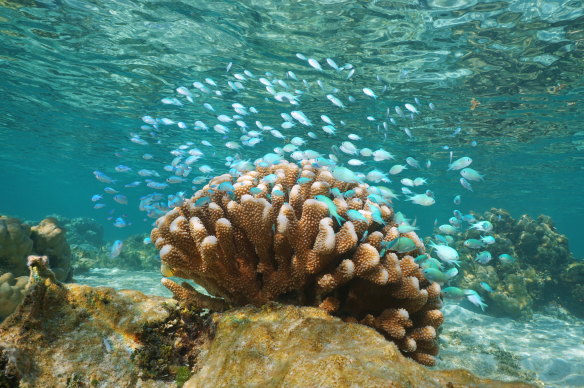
(292, 193)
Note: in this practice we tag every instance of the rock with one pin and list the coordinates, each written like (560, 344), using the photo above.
(73, 335)
(289, 346)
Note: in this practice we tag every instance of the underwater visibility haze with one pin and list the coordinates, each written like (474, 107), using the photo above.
(464, 117)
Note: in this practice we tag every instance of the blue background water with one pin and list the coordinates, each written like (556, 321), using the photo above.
(75, 78)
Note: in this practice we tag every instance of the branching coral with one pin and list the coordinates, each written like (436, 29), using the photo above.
(267, 235)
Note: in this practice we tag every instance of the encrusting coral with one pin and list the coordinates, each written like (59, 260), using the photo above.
(267, 235)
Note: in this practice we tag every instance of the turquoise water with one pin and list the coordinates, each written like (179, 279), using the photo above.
(77, 76)
(498, 81)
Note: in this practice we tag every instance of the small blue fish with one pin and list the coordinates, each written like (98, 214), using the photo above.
(377, 199)
(133, 184)
(457, 200)
(331, 207)
(102, 177)
(399, 245)
(355, 215)
(202, 201)
(453, 293)
(474, 298)
(116, 249)
(435, 275)
(488, 240)
(120, 223)
(483, 257)
(345, 175)
(226, 186)
(122, 168)
(432, 263)
(486, 287)
(336, 192)
(483, 226)
(278, 193)
(96, 198)
(466, 184)
(441, 239)
(349, 193)
(376, 215)
(121, 199)
(270, 178)
(255, 190)
(506, 258)
(473, 243)
(421, 258)
(303, 180)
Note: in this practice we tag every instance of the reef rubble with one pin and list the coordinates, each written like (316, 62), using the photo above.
(79, 336)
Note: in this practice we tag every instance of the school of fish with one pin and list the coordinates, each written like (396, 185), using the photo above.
(226, 124)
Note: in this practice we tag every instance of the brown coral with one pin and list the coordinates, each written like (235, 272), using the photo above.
(15, 246)
(11, 293)
(18, 240)
(277, 242)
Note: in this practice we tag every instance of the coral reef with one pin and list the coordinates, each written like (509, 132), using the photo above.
(15, 246)
(18, 240)
(81, 230)
(11, 293)
(79, 336)
(539, 275)
(267, 235)
(135, 255)
(49, 240)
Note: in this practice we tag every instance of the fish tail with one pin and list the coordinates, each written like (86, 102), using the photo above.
(339, 219)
